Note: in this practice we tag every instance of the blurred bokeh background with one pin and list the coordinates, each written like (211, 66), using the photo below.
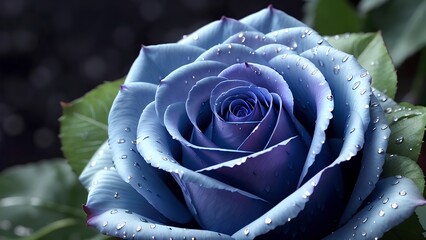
(53, 51)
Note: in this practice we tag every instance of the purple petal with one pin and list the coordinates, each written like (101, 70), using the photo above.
(298, 39)
(195, 156)
(125, 224)
(313, 100)
(109, 191)
(308, 213)
(271, 19)
(122, 123)
(272, 50)
(231, 53)
(102, 159)
(175, 87)
(215, 33)
(157, 61)
(392, 201)
(373, 158)
(271, 174)
(252, 40)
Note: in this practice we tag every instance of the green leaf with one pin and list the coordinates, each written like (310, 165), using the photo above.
(42, 201)
(365, 6)
(84, 124)
(407, 123)
(371, 52)
(402, 24)
(400, 165)
(332, 16)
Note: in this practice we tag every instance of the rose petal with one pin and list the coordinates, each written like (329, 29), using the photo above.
(231, 53)
(102, 159)
(252, 40)
(308, 213)
(123, 119)
(156, 148)
(313, 100)
(222, 210)
(109, 191)
(349, 82)
(373, 158)
(125, 224)
(215, 32)
(270, 19)
(272, 50)
(157, 61)
(274, 128)
(299, 39)
(229, 134)
(271, 174)
(194, 156)
(392, 201)
(175, 87)
(268, 78)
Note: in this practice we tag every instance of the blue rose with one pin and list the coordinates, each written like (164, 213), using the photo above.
(246, 129)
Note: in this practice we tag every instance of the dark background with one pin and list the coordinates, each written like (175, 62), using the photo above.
(52, 51)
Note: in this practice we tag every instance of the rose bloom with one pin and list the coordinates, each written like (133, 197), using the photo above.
(255, 128)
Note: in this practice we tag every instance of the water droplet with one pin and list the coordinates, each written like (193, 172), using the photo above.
(388, 110)
(364, 234)
(356, 85)
(380, 150)
(386, 200)
(402, 193)
(127, 129)
(365, 220)
(381, 213)
(105, 223)
(288, 219)
(304, 66)
(320, 41)
(116, 195)
(123, 156)
(114, 211)
(138, 229)
(152, 226)
(321, 63)
(396, 182)
(364, 74)
(336, 69)
(355, 227)
(121, 225)
(352, 130)
(384, 127)
(345, 58)
(268, 221)
(196, 37)
(394, 205)
(399, 140)
(350, 77)
(246, 231)
(329, 97)
(120, 141)
(398, 176)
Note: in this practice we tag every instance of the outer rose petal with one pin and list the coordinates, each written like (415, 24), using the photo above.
(122, 120)
(271, 19)
(392, 201)
(157, 61)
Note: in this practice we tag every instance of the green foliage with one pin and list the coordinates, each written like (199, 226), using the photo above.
(402, 24)
(371, 52)
(84, 124)
(42, 201)
(332, 16)
(407, 123)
